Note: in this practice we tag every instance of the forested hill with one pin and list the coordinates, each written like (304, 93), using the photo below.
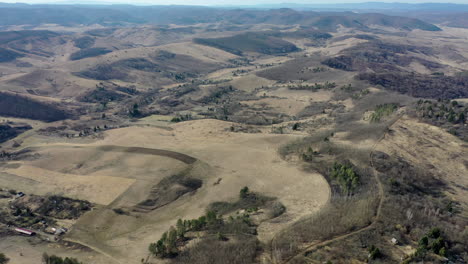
(68, 15)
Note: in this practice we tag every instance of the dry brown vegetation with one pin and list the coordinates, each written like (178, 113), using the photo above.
(139, 125)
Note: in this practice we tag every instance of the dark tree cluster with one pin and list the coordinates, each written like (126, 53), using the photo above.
(315, 87)
(3, 259)
(168, 245)
(450, 115)
(84, 42)
(102, 95)
(37, 212)
(7, 55)
(88, 53)
(346, 177)
(24, 107)
(432, 241)
(52, 259)
(250, 42)
(217, 231)
(8, 132)
(443, 111)
(62, 207)
(379, 57)
(103, 72)
(420, 85)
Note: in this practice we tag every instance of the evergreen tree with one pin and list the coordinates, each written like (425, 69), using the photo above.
(244, 192)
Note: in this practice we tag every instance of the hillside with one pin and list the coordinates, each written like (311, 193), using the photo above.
(194, 134)
(14, 105)
(250, 42)
(34, 42)
(449, 19)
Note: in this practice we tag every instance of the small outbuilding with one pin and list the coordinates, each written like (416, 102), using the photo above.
(25, 231)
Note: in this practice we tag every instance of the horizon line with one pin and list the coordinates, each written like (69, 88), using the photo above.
(110, 3)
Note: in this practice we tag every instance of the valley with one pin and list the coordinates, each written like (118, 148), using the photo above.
(211, 135)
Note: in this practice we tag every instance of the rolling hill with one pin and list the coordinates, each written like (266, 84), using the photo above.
(249, 42)
(114, 15)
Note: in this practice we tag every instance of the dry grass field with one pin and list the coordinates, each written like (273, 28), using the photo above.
(116, 178)
(347, 123)
(416, 142)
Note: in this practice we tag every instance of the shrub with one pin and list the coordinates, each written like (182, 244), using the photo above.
(443, 252)
(3, 259)
(244, 192)
(374, 252)
(181, 118)
(221, 237)
(383, 111)
(135, 112)
(434, 233)
(309, 154)
(437, 245)
(424, 241)
(277, 209)
(119, 211)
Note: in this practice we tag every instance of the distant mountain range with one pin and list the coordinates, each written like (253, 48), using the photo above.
(319, 6)
(368, 6)
(120, 15)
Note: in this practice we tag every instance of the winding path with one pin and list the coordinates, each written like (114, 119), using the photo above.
(314, 246)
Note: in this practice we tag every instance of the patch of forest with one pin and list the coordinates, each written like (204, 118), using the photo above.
(24, 107)
(84, 42)
(88, 53)
(380, 57)
(40, 212)
(165, 64)
(7, 131)
(102, 95)
(7, 55)
(103, 72)
(450, 115)
(249, 42)
(420, 85)
(22, 35)
(227, 233)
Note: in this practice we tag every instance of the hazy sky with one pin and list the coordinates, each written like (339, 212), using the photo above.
(231, 2)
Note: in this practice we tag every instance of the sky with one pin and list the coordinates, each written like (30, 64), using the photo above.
(228, 2)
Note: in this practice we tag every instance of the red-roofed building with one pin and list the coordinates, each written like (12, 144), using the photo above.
(25, 231)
